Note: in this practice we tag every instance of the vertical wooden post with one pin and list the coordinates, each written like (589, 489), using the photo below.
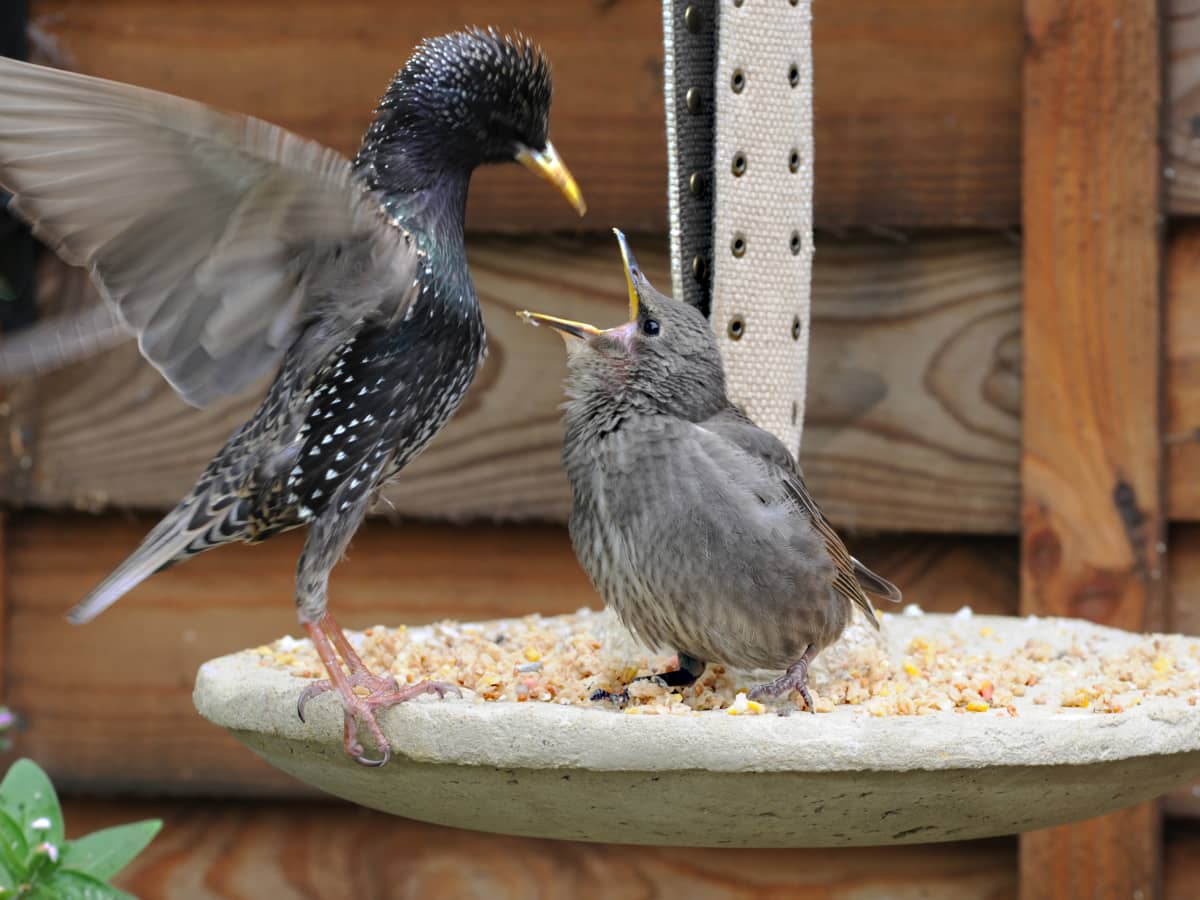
(1091, 466)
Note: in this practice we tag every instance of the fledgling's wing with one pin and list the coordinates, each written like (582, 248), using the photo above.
(852, 577)
(204, 230)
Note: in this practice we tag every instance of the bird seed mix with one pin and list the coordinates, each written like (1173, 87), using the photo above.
(960, 663)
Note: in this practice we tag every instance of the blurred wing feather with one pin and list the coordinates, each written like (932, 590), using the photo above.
(203, 229)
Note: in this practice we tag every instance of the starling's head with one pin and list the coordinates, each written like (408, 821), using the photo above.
(462, 100)
(663, 360)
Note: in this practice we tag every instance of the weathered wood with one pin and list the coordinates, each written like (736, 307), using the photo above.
(1091, 461)
(912, 423)
(917, 114)
(1182, 120)
(1183, 616)
(1181, 862)
(290, 851)
(1182, 414)
(109, 705)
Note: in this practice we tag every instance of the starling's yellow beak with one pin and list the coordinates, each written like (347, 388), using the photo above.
(565, 327)
(547, 164)
(633, 273)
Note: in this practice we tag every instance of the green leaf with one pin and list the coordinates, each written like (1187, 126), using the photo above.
(14, 851)
(65, 884)
(27, 795)
(102, 854)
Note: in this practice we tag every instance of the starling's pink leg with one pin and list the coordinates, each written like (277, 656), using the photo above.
(382, 690)
(794, 679)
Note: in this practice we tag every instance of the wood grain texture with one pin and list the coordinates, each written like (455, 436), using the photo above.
(917, 107)
(1182, 414)
(912, 424)
(1182, 121)
(289, 851)
(1181, 861)
(1091, 456)
(1183, 617)
(109, 706)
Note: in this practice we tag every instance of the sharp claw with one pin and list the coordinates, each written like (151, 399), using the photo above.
(313, 690)
(364, 760)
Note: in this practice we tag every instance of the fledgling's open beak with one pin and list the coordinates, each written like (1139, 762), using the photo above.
(566, 327)
(569, 328)
(549, 165)
(633, 274)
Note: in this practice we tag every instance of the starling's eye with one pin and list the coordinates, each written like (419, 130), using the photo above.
(650, 327)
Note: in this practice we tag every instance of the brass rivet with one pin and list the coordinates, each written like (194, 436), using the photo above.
(794, 75)
(738, 246)
(796, 328)
(794, 161)
(796, 243)
(739, 163)
(699, 268)
(692, 19)
(737, 327)
(739, 81)
(696, 184)
(793, 2)
(738, 2)
(693, 100)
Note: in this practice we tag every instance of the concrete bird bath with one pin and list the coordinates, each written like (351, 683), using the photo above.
(1067, 749)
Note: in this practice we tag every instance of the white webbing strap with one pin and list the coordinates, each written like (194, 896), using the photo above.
(762, 207)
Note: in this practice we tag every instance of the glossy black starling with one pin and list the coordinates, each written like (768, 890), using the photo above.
(694, 524)
(231, 247)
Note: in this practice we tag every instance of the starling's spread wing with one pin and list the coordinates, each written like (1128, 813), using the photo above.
(211, 234)
(851, 576)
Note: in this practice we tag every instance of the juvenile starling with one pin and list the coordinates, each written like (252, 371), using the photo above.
(231, 247)
(695, 525)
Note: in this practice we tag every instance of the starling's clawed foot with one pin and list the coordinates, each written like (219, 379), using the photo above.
(689, 670)
(379, 691)
(794, 679)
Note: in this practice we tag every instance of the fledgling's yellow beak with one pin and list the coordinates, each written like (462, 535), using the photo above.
(566, 327)
(633, 273)
(549, 165)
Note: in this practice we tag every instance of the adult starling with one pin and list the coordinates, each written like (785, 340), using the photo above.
(694, 524)
(230, 247)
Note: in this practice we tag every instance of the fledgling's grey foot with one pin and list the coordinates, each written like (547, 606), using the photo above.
(689, 670)
(794, 679)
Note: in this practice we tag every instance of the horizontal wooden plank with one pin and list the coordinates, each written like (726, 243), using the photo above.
(917, 104)
(108, 706)
(292, 851)
(912, 423)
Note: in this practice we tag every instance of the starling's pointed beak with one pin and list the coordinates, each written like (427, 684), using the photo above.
(633, 274)
(549, 165)
(565, 327)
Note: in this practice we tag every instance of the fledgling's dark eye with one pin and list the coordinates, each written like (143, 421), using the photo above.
(650, 327)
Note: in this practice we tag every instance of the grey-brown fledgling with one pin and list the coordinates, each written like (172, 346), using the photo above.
(694, 524)
(232, 248)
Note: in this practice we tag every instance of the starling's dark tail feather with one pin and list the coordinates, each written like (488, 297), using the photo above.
(874, 584)
(186, 531)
